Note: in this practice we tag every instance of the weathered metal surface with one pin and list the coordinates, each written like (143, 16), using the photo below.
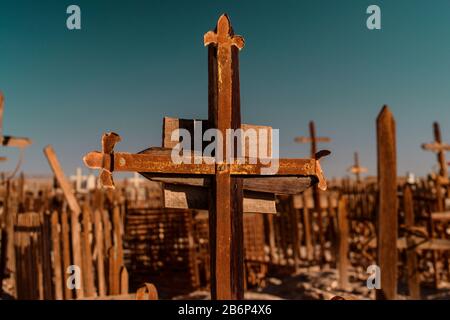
(226, 189)
(160, 161)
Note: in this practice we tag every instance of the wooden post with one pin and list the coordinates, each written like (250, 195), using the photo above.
(307, 228)
(343, 243)
(21, 189)
(357, 173)
(65, 231)
(316, 197)
(113, 272)
(10, 215)
(74, 208)
(100, 253)
(88, 278)
(57, 268)
(313, 140)
(123, 280)
(411, 257)
(118, 234)
(293, 212)
(45, 255)
(387, 214)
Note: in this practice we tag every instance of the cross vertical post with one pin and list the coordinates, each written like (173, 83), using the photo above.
(387, 214)
(443, 172)
(316, 195)
(313, 140)
(226, 216)
(439, 147)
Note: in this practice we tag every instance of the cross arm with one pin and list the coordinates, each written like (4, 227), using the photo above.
(159, 160)
(436, 147)
(15, 142)
(309, 140)
(354, 169)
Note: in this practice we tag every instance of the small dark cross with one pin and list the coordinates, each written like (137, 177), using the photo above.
(356, 169)
(313, 140)
(226, 178)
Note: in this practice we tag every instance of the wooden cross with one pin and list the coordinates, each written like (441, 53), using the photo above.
(439, 148)
(313, 140)
(356, 169)
(225, 179)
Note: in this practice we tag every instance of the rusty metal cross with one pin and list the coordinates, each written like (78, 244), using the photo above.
(226, 178)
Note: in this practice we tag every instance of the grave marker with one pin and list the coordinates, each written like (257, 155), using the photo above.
(356, 169)
(225, 177)
(387, 208)
(313, 140)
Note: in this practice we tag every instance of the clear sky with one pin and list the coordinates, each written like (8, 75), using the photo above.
(134, 62)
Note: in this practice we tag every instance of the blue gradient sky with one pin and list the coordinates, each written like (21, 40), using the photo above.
(137, 61)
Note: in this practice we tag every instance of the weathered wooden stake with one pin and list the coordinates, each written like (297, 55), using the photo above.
(411, 257)
(74, 208)
(343, 244)
(57, 261)
(88, 279)
(387, 214)
(65, 231)
(100, 253)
